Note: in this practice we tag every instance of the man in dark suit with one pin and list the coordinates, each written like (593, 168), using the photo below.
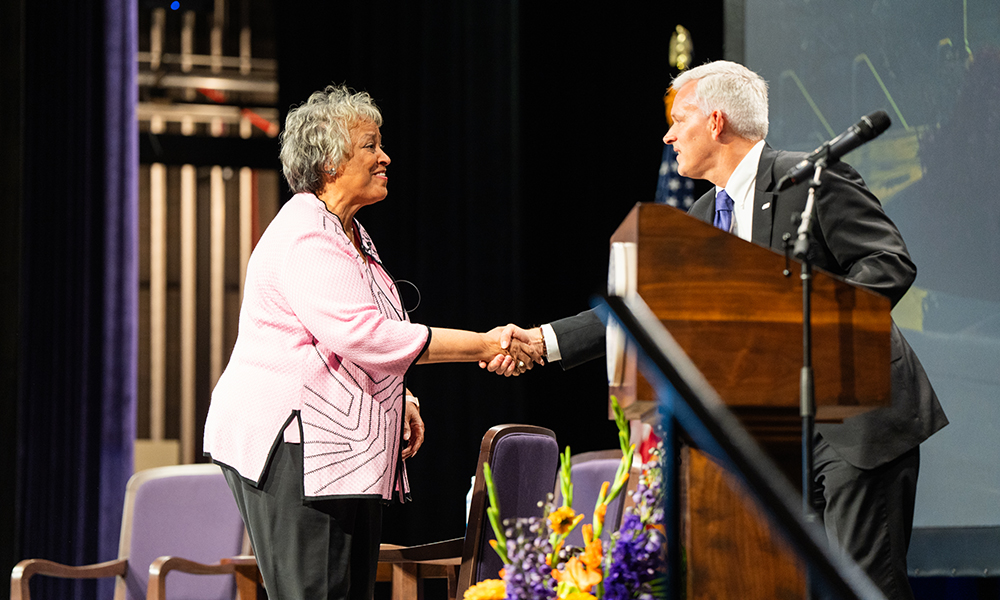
(866, 467)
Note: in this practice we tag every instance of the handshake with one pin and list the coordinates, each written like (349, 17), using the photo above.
(518, 350)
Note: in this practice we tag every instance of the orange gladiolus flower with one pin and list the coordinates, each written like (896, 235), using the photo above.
(599, 513)
(593, 551)
(578, 575)
(593, 555)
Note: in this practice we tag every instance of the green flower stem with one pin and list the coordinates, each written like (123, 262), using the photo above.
(493, 512)
(624, 467)
(566, 489)
(565, 479)
(623, 429)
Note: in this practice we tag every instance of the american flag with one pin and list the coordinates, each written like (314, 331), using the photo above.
(672, 188)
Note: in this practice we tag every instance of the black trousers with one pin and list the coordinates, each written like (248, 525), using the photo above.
(868, 513)
(308, 550)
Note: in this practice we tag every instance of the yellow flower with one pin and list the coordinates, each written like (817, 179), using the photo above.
(578, 596)
(563, 520)
(488, 589)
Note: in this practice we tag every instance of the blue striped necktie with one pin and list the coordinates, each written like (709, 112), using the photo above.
(723, 211)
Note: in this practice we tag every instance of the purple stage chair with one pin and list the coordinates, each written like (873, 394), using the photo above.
(181, 511)
(524, 460)
(588, 471)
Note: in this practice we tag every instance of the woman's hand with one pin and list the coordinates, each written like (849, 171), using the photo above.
(413, 429)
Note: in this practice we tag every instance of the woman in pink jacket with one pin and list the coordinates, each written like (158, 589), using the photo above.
(308, 418)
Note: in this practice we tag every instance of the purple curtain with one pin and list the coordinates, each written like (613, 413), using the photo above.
(121, 263)
(79, 284)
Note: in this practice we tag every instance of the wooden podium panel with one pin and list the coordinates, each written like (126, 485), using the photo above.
(731, 308)
(732, 553)
(739, 318)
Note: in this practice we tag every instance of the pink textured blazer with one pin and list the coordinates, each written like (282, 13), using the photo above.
(322, 349)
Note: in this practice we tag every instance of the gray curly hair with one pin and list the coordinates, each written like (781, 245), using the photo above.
(317, 135)
(737, 91)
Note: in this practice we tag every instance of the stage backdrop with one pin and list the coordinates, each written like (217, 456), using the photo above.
(934, 67)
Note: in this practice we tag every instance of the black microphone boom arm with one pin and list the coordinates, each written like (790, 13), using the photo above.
(868, 128)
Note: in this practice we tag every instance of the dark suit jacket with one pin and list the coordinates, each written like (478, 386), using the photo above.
(853, 238)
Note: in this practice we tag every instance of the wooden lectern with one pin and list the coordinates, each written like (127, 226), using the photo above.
(729, 305)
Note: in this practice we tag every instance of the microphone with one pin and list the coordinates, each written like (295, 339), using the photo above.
(868, 128)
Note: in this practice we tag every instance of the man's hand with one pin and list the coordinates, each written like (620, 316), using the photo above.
(519, 343)
(413, 429)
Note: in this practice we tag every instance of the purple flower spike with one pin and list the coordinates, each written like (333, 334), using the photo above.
(527, 577)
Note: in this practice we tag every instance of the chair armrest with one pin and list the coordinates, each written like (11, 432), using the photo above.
(240, 561)
(156, 589)
(248, 576)
(163, 565)
(407, 566)
(23, 572)
(446, 552)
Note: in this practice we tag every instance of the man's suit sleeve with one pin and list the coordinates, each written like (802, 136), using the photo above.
(581, 338)
(865, 244)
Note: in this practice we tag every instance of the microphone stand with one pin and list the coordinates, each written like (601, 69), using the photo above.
(807, 399)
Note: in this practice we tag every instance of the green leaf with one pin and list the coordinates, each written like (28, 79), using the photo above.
(565, 479)
(493, 513)
(624, 432)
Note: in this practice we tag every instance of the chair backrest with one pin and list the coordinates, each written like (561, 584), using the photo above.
(588, 471)
(186, 511)
(524, 460)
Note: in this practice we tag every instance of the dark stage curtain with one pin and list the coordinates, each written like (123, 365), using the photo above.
(79, 284)
(11, 76)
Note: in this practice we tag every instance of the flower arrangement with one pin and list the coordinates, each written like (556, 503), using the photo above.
(538, 565)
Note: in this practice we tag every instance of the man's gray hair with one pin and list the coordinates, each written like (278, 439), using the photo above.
(317, 135)
(735, 90)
